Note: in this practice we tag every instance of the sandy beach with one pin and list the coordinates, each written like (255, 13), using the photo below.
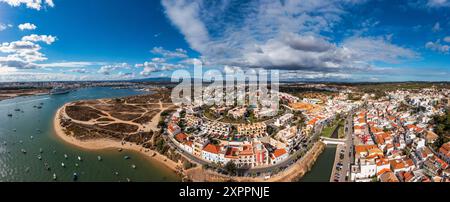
(101, 144)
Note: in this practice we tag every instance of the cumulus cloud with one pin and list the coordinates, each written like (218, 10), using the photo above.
(148, 68)
(437, 46)
(278, 35)
(4, 26)
(33, 4)
(24, 54)
(27, 26)
(108, 69)
(48, 39)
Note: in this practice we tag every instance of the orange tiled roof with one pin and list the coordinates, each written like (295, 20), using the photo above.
(279, 152)
(212, 149)
(181, 137)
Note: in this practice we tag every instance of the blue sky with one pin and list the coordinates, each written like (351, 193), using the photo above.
(328, 40)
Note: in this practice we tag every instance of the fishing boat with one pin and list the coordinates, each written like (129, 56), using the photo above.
(65, 156)
(133, 166)
(23, 151)
(54, 176)
(119, 150)
(10, 115)
(17, 110)
(116, 173)
(99, 158)
(76, 164)
(31, 137)
(39, 157)
(79, 158)
(75, 176)
(126, 157)
(62, 164)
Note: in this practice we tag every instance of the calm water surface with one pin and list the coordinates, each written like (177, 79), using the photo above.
(321, 170)
(31, 129)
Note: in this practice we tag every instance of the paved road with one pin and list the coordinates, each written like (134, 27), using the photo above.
(347, 152)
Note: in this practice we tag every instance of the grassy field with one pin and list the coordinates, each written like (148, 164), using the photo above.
(328, 131)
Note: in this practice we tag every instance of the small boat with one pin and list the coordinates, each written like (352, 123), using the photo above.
(27, 169)
(14, 130)
(126, 157)
(133, 166)
(23, 151)
(17, 110)
(79, 158)
(62, 164)
(31, 137)
(75, 176)
(4, 143)
(99, 158)
(39, 107)
(41, 150)
(65, 156)
(10, 115)
(116, 173)
(120, 150)
(76, 164)
(54, 176)
(39, 157)
(20, 141)
(128, 179)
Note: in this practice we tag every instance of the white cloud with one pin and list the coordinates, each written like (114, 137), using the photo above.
(185, 15)
(27, 26)
(80, 71)
(48, 39)
(71, 64)
(278, 35)
(438, 3)
(437, 46)
(108, 69)
(3, 27)
(33, 4)
(447, 39)
(436, 27)
(178, 53)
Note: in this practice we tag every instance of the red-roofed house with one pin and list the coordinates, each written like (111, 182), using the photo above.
(211, 153)
(279, 155)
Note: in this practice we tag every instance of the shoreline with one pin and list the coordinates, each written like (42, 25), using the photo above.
(103, 144)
